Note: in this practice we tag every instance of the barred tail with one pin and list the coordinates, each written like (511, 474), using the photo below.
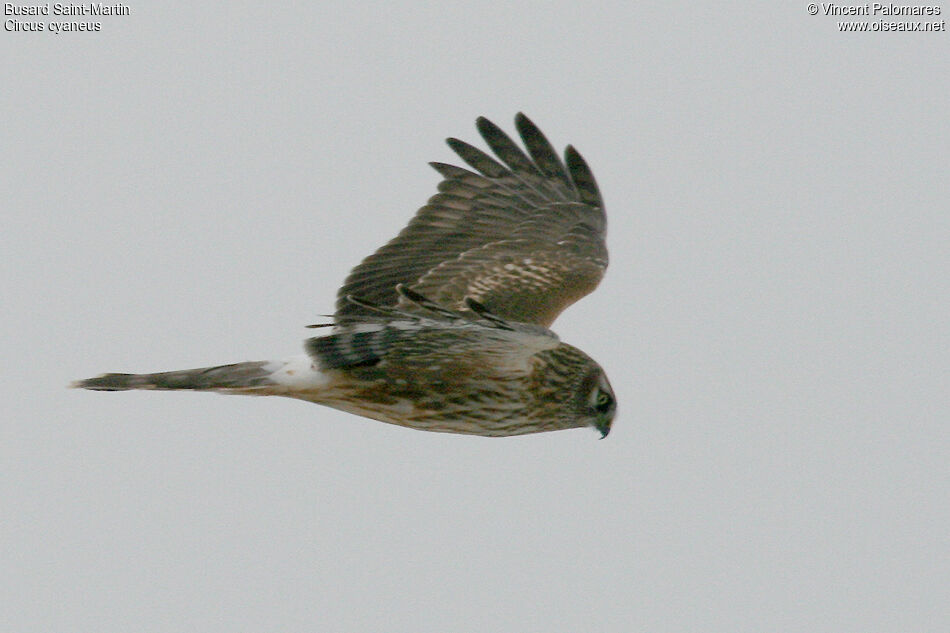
(239, 376)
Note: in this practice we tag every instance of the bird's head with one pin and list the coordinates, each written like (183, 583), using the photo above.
(599, 404)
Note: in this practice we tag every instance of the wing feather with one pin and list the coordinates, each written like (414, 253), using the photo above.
(519, 163)
(544, 155)
(522, 235)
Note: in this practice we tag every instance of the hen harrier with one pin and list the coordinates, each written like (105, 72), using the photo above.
(445, 327)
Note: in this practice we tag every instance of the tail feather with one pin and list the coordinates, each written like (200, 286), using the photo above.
(235, 376)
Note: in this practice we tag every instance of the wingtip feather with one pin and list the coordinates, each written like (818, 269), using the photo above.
(583, 177)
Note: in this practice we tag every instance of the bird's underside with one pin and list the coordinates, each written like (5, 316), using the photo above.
(445, 327)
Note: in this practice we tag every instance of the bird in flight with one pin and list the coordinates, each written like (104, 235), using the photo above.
(445, 328)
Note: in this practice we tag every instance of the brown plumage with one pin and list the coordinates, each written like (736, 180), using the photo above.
(445, 327)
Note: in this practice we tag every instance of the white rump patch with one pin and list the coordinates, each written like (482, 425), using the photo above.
(297, 372)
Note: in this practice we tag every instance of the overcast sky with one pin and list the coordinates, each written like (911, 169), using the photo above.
(190, 184)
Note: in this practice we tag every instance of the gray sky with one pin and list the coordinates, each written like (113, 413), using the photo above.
(189, 186)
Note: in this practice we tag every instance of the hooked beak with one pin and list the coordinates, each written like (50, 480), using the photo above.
(603, 427)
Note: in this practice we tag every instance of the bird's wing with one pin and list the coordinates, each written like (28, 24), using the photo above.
(424, 331)
(410, 345)
(523, 237)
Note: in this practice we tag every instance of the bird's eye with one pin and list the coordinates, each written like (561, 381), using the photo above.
(603, 402)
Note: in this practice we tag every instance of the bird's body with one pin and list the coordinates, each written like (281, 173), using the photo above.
(445, 328)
